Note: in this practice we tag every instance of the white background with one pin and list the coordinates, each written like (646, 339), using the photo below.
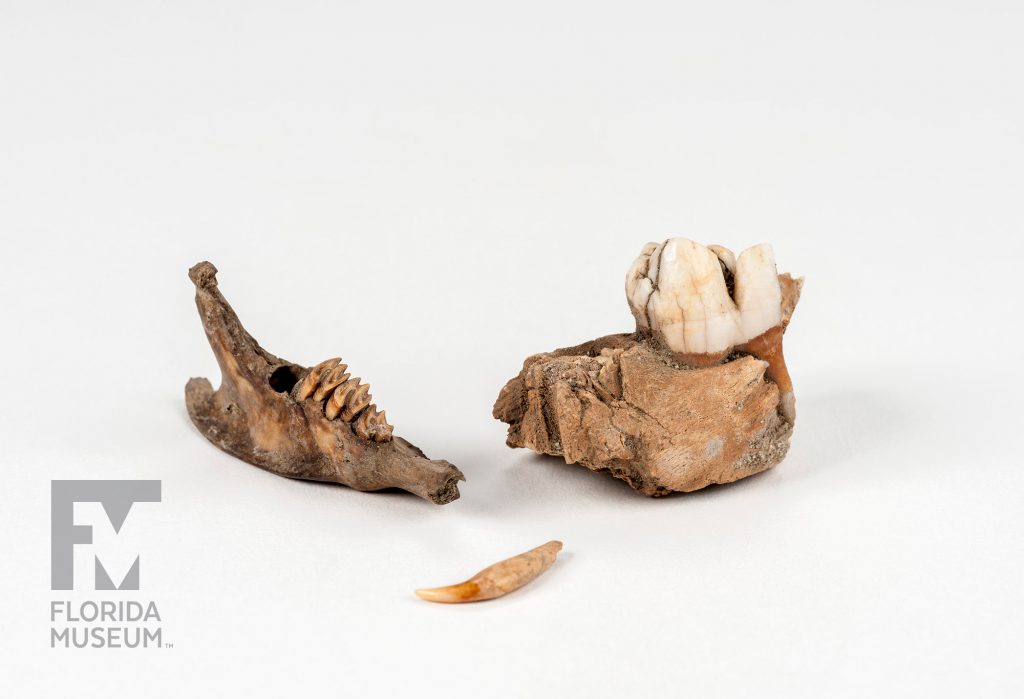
(437, 190)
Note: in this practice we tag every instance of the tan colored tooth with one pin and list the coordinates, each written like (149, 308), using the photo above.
(364, 423)
(499, 579)
(337, 401)
(372, 425)
(381, 430)
(356, 401)
(335, 377)
(309, 384)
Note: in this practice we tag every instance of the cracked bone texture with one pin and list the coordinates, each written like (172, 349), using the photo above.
(699, 394)
(679, 294)
(313, 424)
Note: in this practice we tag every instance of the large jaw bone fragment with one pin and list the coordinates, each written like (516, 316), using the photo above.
(313, 424)
(699, 394)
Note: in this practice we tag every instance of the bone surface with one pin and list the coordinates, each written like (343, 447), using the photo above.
(698, 394)
(499, 579)
(313, 424)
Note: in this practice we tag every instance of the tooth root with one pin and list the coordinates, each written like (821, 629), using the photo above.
(308, 385)
(758, 292)
(335, 377)
(767, 346)
(355, 402)
(691, 307)
(499, 579)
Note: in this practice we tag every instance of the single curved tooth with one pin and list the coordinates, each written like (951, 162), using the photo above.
(758, 292)
(337, 401)
(356, 401)
(691, 307)
(335, 377)
(499, 579)
(309, 384)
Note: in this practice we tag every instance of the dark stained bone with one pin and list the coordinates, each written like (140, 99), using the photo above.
(268, 414)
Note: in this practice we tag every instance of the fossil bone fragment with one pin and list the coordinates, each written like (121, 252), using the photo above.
(498, 579)
(698, 394)
(313, 424)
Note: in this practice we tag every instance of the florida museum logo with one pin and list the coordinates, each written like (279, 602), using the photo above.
(104, 619)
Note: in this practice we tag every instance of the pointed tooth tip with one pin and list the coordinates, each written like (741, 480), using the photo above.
(437, 594)
(451, 594)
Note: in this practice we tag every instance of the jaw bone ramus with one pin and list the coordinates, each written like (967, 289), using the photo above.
(702, 303)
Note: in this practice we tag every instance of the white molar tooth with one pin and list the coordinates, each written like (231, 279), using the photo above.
(692, 304)
(758, 293)
(678, 293)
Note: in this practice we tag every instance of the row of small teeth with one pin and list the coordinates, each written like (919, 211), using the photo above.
(345, 398)
(679, 292)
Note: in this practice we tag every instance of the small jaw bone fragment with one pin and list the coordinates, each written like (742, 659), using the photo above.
(308, 423)
(499, 579)
(702, 302)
